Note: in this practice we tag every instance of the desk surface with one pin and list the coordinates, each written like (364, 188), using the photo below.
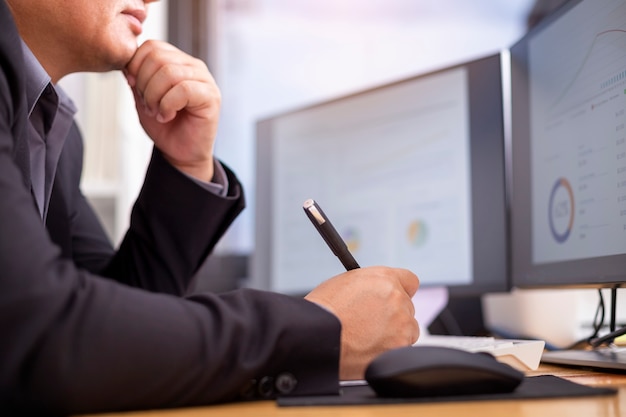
(604, 406)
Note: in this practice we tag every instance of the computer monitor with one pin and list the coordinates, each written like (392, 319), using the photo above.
(411, 174)
(568, 92)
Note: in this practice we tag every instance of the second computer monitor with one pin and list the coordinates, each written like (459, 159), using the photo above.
(569, 148)
(411, 174)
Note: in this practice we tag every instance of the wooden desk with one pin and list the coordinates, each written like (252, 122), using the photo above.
(604, 406)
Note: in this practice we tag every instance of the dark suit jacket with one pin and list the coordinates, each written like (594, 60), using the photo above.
(72, 341)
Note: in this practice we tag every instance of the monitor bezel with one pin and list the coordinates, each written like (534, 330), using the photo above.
(489, 201)
(604, 271)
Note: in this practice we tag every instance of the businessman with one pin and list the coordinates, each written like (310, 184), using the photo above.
(85, 327)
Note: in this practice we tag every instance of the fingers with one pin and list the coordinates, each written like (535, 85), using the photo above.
(184, 95)
(178, 104)
(405, 327)
(415, 331)
(167, 81)
(409, 282)
(376, 310)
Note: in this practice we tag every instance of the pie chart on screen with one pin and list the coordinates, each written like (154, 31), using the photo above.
(352, 238)
(561, 210)
(417, 233)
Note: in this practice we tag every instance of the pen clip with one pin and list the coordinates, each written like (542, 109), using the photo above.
(314, 212)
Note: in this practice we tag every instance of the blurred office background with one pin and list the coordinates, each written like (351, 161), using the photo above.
(270, 56)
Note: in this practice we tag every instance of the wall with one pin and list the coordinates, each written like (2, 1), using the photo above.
(278, 54)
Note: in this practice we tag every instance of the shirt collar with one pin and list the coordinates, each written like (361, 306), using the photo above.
(37, 79)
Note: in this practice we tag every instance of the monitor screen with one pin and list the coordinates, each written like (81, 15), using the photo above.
(410, 173)
(568, 90)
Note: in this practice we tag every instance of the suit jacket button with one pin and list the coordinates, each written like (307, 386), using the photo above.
(286, 383)
(266, 387)
(248, 391)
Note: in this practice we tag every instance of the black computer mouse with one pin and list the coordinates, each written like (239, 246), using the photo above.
(432, 371)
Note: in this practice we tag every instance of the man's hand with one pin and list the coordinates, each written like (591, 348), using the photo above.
(178, 104)
(376, 312)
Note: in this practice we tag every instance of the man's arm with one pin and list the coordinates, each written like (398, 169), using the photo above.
(176, 221)
(175, 224)
(73, 343)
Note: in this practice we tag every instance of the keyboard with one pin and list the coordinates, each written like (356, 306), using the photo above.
(521, 354)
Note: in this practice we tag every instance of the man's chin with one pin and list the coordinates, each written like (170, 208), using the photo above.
(122, 59)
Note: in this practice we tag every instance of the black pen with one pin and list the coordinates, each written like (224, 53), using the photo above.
(329, 233)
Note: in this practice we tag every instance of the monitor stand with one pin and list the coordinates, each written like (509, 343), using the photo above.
(599, 356)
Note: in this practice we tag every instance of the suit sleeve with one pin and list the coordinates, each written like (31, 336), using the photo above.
(74, 343)
(175, 224)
